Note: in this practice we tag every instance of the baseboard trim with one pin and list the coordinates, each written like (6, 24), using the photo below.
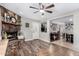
(39, 39)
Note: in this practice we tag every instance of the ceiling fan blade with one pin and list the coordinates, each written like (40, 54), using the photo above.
(34, 7)
(36, 11)
(48, 11)
(41, 6)
(52, 5)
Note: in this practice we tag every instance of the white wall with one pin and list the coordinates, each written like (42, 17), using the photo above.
(35, 31)
(76, 30)
(75, 27)
(28, 32)
(31, 32)
(45, 35)
(62, 21)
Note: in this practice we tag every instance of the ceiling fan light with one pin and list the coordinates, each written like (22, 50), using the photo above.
(42, 11)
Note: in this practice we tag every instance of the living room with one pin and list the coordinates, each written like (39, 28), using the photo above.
(46, 26)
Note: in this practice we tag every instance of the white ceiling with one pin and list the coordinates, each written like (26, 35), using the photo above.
(24, 10)
(66, 19)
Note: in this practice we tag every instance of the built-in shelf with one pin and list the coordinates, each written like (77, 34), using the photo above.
(3, 22)
(11, 23)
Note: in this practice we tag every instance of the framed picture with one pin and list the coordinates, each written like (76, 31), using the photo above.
(54, 27)
(27, 25)
(43, 27)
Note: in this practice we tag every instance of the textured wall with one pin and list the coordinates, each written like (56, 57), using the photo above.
(0, 24)
(0, 29)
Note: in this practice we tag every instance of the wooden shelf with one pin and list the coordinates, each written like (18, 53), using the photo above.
(3, 22)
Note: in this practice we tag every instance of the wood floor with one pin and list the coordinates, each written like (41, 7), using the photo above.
(37, 48)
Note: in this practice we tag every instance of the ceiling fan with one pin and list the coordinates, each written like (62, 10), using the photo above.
(43, 8)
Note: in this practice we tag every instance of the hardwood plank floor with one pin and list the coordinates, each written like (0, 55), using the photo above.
(37, 48)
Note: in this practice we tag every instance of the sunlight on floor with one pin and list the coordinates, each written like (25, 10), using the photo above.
(3, 46)
(65, 44)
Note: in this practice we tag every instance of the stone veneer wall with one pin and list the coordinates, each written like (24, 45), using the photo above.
(0, 29)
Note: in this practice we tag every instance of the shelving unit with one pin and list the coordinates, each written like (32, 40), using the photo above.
(11, 22)
(3, 22)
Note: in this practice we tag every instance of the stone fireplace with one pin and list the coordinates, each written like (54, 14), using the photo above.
(10, 23)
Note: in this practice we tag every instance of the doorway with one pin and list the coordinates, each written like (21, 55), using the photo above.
(62, 28)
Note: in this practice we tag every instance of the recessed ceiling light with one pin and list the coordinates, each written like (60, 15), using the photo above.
(21, 12)
(70, 19)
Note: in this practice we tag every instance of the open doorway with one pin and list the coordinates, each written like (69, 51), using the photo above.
(61, 29)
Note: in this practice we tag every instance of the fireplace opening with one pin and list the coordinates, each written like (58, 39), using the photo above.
(11, 35)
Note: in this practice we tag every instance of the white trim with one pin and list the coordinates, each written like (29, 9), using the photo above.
(28, 39)
(0, 38)
(46, 40)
